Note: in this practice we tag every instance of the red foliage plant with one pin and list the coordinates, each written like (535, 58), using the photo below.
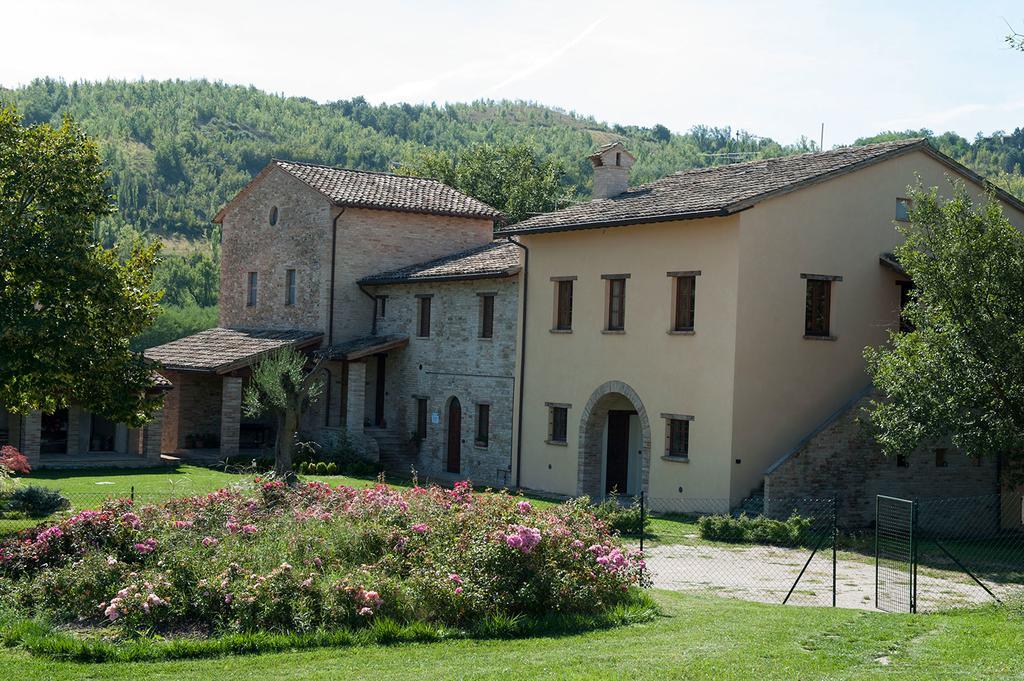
(14, 461)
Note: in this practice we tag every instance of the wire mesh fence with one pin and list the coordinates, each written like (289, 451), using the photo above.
(47, 504)
(779, 551)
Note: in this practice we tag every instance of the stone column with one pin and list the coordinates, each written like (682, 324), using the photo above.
(152, 437)
(32, 426)
(230, 415)
(355, 394)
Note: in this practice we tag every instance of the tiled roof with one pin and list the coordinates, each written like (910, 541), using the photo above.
(491, 261)
(357, 348)
(217, 350)
(360, 188)
(708, 192)
(160, 382)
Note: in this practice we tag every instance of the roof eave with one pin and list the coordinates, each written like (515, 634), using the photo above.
(494, 274)
(600, 224)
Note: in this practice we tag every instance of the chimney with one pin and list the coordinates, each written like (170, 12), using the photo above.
(611, 170)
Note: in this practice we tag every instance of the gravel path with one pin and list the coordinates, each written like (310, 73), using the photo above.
(766, 573)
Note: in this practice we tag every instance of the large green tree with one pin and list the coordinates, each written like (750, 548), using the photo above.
(508, 177)
(68, 307)
(959, 373)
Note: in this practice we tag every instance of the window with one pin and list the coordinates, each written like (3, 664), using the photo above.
(382, 306)
(905, 288)
(421, 418)
(817, 313)
(272, 218)
(289, 287)
(487, 315)
(678, 438)
(901, 461)
(940, 458)
(903, 207)
(251, 296)
(558, 423)
(684, 295)
(616, 302)
(423, 328)
(618, 158)
(563, 304)
(483, 424)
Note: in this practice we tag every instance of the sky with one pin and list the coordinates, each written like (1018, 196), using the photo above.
(777, 69)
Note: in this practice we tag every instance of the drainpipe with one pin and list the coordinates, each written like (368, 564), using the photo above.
(373, 298)
(334, 257)
(522, 359)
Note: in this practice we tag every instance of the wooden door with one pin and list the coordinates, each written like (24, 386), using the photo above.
(454, 436)
(617, 465)
(378, 407)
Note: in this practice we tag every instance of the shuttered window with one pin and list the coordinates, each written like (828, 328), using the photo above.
(686, 286)
(483, 424)
(487, 315)
(423, 327)
(563, 297)
(616, 304)
(817, 313)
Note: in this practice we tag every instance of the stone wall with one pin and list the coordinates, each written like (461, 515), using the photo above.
(842, 460)
(300, 240)
(453, 362)
(192, 407)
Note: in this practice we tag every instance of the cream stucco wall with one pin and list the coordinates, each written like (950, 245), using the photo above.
(754, 385)
(785, 384)
(681, 374)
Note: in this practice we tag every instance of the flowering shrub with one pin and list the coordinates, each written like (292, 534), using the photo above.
(281, 558)
(14, 461)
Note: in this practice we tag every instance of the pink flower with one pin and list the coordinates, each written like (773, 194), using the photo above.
(248, 529)
(522, 538)
(228, 598)
(50, 533)
(183, 524)
(373, 598)
(131, 520)
(317, 561)
(420, 528)
(111, 560)
(524, 507)
(146, 546)
(365, 612)
(458, 590)
(210, 541)
(308, 582)
(455, 578)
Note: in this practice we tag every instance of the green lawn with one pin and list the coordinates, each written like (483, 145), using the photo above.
(698, 637)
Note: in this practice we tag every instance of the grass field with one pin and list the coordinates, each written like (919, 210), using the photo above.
(696, 638)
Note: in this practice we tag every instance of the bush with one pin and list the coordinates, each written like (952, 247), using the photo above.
(628, 520)
(332, 468)
(37, 502)
(743, 529)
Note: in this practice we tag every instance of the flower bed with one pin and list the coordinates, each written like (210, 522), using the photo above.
(315, 558)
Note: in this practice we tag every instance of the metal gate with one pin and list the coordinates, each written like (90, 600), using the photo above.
(895, 554)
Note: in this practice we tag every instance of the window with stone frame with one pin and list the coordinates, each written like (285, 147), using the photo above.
(615, 317)
(677, 435)
(289, 287)
(818, 306)
(483, 424)
(251, 292)
(558, 423)
(486, 315)
(684, 295)
(423, 316)
(563, 303)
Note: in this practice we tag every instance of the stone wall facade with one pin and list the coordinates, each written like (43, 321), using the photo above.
(843, 461)
(453, 362)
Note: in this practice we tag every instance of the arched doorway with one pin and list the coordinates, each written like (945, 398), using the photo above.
(614, 443)
(454, 464)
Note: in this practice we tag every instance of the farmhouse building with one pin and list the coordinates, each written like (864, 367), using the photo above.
(700, 338)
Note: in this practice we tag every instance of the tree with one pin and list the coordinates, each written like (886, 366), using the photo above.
(68, 307)
(508, 177)
(1015, 40)
(960, 372)
(283, 384)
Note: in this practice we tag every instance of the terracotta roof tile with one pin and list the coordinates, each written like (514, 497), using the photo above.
(493, 260)
(706, 192)
(218, 349)
(360, 188)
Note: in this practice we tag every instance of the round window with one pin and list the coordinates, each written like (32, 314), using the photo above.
(273, 216)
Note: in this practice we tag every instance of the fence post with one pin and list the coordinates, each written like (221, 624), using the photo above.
(133, 494)
(835, 541)
(913, 557)
(643, 519)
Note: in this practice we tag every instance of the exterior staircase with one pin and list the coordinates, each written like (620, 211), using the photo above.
(397, 454)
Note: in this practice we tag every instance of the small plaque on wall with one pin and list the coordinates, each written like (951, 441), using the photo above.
(435, 418)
